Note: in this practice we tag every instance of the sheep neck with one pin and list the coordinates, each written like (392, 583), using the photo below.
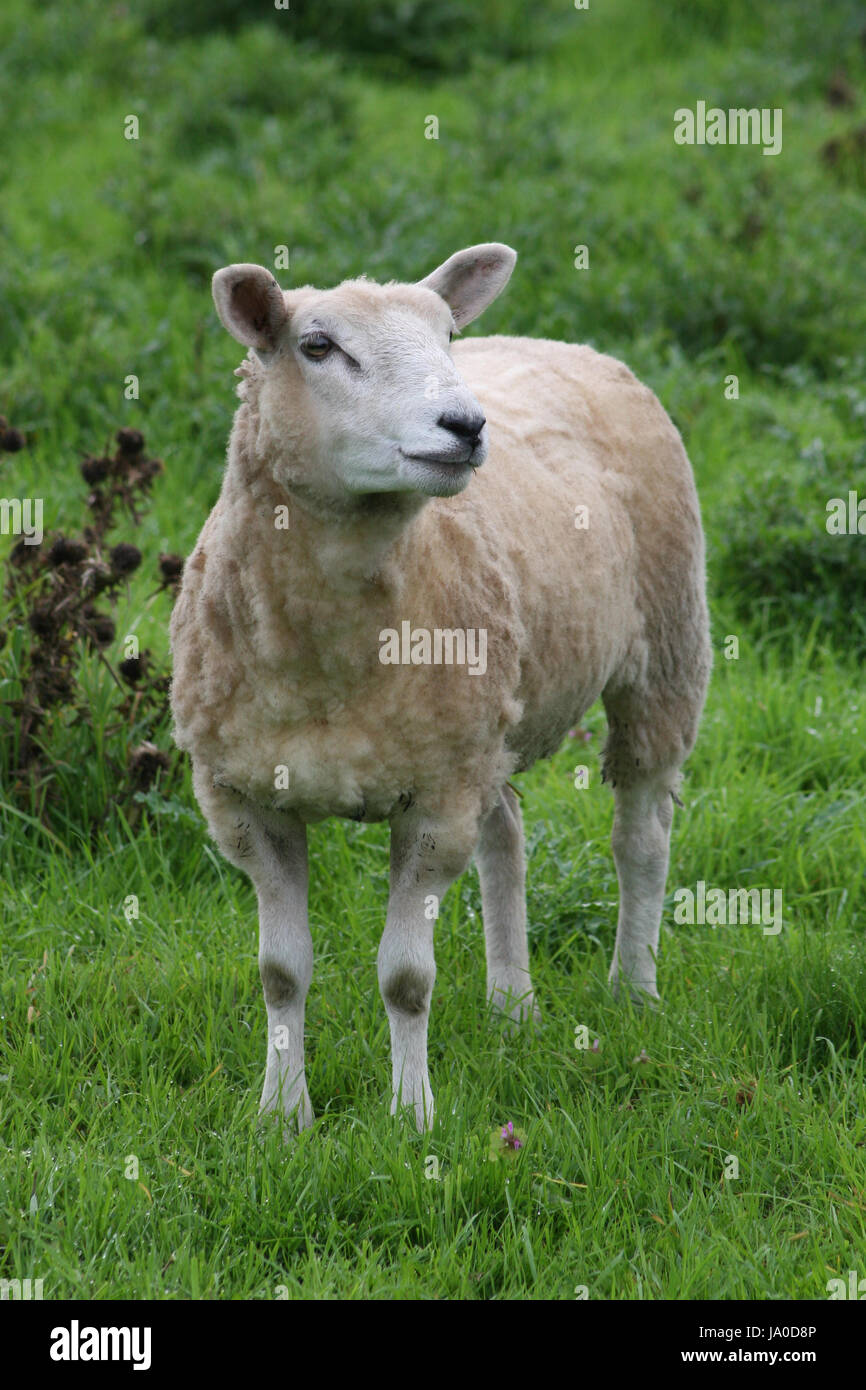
(367, 542)
(341, 549)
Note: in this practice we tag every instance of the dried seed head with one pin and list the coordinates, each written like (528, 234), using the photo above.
(125, 558)
(11, 441)
(96, 577)
(170, 567)
(42, 620)
(95, 470)
(23, 554)
(102, 629)
(130, 441)
(133, 668)
(66, 552)
(145, 762)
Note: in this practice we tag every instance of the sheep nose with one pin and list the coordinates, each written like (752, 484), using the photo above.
(466, 427)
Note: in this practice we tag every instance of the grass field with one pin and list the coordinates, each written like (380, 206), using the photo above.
(132, 1045)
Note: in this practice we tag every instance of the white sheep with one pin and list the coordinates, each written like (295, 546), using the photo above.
(355, 523)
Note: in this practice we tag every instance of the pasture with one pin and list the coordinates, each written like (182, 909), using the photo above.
(715, 1148)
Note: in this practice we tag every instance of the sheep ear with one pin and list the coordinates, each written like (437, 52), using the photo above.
(469, 280)
(250, 304)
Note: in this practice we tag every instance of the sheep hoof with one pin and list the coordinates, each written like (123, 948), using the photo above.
(421, 1112)
(293, 1118)
(643, 995)
(517, 1005)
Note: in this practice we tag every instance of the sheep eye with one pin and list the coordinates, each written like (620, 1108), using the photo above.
(316, 346)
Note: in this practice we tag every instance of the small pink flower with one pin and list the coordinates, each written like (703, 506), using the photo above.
(510, 1138)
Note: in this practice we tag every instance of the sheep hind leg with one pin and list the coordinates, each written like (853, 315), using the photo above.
(501, 860)
(641, 837)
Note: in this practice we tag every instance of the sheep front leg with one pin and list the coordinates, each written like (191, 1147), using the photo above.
(286, 968)
(641, 835)
(271, 848)
(501, 859)
(424, 864)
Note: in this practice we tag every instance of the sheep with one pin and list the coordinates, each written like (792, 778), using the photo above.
(383, 482)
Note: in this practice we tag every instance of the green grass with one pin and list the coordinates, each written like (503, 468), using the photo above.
(143, 1036)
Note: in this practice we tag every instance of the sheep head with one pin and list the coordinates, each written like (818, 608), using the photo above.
(358, 389)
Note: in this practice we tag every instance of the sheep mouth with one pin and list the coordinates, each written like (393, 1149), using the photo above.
(443, 460)
(438, 475)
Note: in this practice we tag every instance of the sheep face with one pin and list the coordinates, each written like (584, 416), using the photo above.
(360, 394)
(368, 369)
